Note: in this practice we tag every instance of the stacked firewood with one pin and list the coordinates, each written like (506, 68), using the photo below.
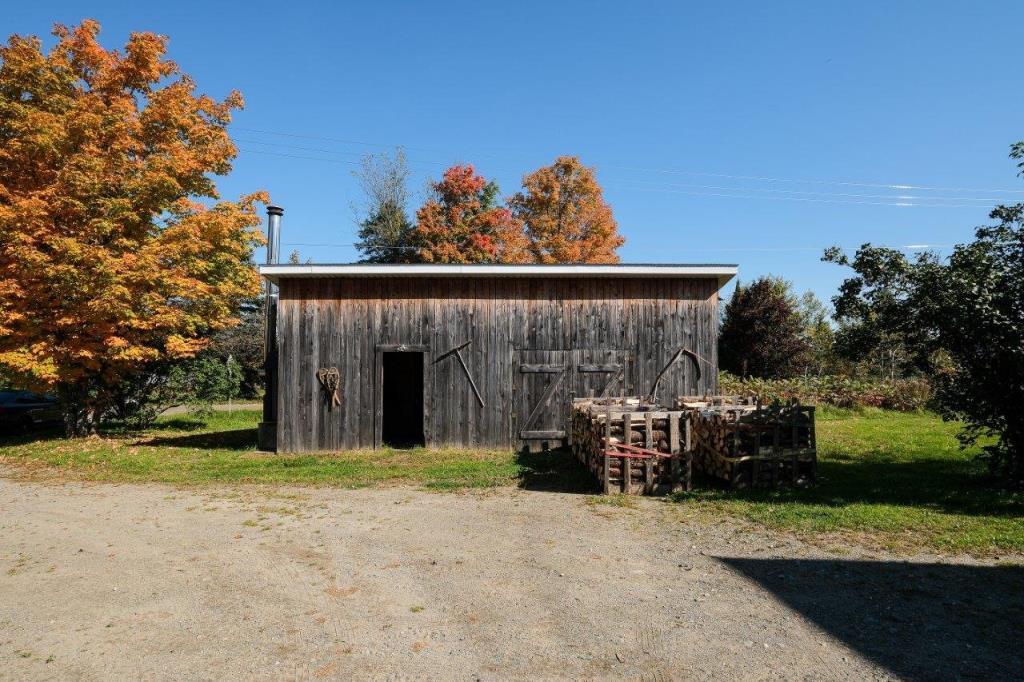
(629, 446)
(747, 444)
(638, 448)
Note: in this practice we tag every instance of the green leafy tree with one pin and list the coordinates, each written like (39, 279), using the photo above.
(871, 308)
(974, 305)
(819, 334)
(230, 367)
(961, 320)
(1017, 152)
(762, 333)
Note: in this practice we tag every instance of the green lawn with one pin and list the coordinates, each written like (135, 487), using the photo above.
(221, 448)
(892, 478)
(897, 477)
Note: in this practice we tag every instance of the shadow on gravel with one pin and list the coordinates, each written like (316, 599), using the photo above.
(239, 439)
(920, 621)
(554, 471)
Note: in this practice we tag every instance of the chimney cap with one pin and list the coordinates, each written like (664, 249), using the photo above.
(275, 210)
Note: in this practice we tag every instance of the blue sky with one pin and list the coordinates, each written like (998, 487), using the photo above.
(748, 132)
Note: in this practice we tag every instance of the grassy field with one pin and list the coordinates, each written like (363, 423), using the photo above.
(895, 479)
(221, 448)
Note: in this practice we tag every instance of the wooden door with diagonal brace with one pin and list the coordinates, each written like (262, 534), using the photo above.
(599, 373)
(545, 381)
(540, 393)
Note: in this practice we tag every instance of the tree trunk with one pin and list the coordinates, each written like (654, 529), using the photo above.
(78, 403)
(79, 422)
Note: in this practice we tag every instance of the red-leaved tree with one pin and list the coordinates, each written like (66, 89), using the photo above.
(463, 223)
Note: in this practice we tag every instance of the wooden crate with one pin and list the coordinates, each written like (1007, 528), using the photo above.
(632, 447)
(747, 444)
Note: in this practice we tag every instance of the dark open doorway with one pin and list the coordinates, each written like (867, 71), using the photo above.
(402, 400)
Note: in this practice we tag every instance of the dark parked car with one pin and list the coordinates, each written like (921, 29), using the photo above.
(22, 410)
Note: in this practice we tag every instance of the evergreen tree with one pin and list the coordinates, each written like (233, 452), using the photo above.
(762, 333)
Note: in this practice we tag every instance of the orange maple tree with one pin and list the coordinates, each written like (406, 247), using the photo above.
(566, 218)
(462, 223)
(109, 258)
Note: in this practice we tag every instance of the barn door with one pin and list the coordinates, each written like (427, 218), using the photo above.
(599, 373)
(541, 396)
(547, 381)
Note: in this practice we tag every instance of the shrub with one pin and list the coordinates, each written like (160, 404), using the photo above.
(905, 395)
(196, 383)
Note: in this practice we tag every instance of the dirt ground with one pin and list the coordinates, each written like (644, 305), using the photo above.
(105, 581)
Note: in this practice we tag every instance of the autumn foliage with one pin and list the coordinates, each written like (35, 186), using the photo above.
(559, 217)
(461, 223)
(108, 260)
(566, 218)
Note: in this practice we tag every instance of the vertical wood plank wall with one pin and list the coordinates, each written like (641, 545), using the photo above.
(339, 322)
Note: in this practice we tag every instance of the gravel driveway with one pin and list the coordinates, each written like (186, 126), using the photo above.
(105, 581)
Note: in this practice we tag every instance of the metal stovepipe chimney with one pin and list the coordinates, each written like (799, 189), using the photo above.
(268, 427)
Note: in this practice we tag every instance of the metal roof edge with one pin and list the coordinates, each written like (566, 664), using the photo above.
(722, 272)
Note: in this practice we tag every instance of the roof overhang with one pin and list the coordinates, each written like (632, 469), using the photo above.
(722, 273)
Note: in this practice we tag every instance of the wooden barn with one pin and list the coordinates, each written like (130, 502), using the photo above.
(478, 355)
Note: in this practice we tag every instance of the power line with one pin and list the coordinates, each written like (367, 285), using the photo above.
(900, 197)
(296, 156)
(898, 204)
(292, 146)
(358, 142)
(908, 247)
(755, 178)
(321, 150)
(433, 164)
(758, 178)
(901, 201)
(316, 137)
(903, 197)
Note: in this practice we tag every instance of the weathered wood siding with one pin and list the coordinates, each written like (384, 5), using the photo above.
(587, 325)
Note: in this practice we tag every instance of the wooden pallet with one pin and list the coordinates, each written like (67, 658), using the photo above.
(632, 447)
(748, 445)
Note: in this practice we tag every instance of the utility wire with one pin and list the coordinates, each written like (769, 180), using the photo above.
(821, 194)
(902, 197)
(902, 200)
(900, 204)
(332, 139)
(755, 178)
(292, 146)
(894, 203)
(296, 156)
(908, 247)
(758, 178)
(320, 150)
